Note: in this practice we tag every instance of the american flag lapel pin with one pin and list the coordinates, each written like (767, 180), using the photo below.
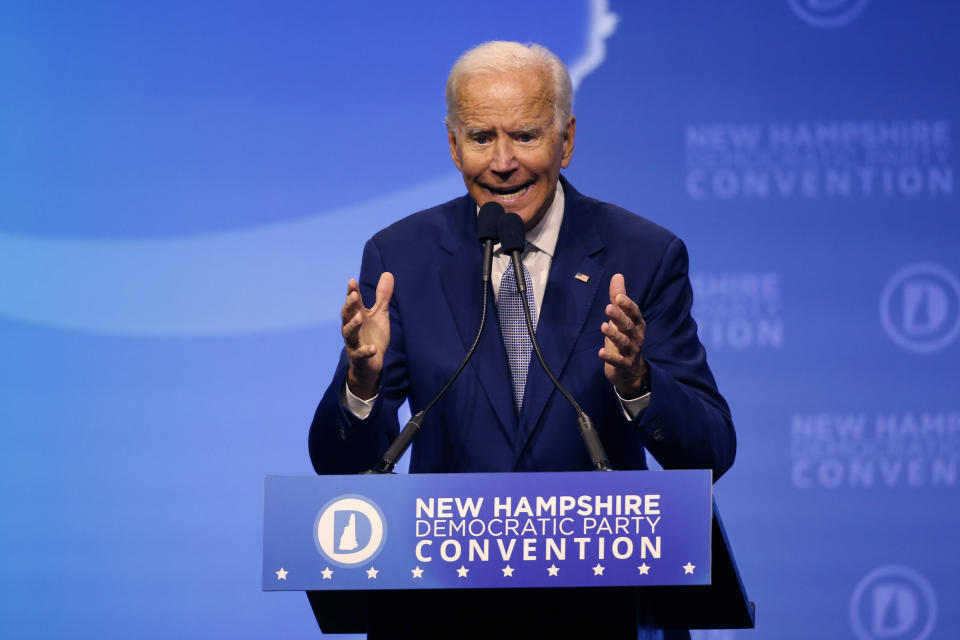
(582, 277)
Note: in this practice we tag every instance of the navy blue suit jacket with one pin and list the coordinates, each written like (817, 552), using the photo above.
(435, 312)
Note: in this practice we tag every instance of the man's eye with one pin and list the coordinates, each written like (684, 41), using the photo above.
(525, 137)
(481, 139)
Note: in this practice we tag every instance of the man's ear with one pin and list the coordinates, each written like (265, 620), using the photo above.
(569, 133)
(454, 147)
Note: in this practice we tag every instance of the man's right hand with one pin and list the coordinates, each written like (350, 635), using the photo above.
(366, 335)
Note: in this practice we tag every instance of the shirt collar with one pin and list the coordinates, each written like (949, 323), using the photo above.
(544, 235)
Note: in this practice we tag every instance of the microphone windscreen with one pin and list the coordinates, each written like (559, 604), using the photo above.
(487, 221)
(511, 233)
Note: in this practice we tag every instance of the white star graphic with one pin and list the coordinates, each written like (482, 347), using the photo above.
(281, 575)
(462, 572)
(644, 569)
(372, 573)
(507, 571)
(417, 573)
(688, 568)
(327, 573)
(553, 570)
(598, 570)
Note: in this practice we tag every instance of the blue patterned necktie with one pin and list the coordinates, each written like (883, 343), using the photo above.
(514, 328)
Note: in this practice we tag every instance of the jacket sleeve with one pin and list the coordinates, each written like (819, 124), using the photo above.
(687, 423)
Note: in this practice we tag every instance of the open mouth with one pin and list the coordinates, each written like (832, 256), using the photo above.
(509, 195)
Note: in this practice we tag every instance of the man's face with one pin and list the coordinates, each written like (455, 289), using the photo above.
(507, 145)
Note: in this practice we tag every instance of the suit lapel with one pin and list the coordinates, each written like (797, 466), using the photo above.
(566, 305)
(460, 281)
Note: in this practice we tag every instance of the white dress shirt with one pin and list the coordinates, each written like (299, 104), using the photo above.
(537, 257)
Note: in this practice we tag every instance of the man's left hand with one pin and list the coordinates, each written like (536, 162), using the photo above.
(623, 362)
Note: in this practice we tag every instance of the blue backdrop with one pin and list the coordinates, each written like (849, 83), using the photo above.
(185, 188)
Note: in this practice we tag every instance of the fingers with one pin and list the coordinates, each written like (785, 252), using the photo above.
(351, 330)
(625, 328)
(353, 285)
(624, 312)
(618, 349)
(363, 343)
(618, 338)
(351, 317)
(624, 332)
(351, 338)
(617, 359)
(353, 302)
(619, 298)
(617, 287)
(363, 352)
(384, 291)
(630, 308)
(621, 319)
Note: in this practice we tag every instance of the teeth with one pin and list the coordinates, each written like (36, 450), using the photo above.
(513, 195)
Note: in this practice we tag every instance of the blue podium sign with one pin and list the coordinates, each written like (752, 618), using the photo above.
(449, 531)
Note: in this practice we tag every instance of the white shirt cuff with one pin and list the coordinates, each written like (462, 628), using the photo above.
(632, 408)
(359, 408)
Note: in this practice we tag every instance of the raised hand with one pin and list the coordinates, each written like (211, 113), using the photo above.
(623, 362)
(366, 335)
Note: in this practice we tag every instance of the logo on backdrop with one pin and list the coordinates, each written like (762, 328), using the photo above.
(893, 603)
(828, 14)
(350, 530)
(920, 307)
(857, 450)
(738, 310)
(814, 160)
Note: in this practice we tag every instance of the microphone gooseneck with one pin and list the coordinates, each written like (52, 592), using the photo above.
(487, 233)
(512, 239)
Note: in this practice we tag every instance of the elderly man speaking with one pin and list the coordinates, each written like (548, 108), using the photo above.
(610, 301)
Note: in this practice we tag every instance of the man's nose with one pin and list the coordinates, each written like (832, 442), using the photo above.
(504, 159)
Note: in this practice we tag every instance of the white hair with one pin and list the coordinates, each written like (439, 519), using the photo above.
(499, 56)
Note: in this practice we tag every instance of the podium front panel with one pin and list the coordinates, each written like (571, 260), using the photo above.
(478, 531)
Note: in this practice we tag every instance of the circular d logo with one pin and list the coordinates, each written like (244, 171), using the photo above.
(350, 530)
(893, 603)
(920, 307)
(828, 14)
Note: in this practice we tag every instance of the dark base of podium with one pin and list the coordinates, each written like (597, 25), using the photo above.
(609, 612)
(486, 613)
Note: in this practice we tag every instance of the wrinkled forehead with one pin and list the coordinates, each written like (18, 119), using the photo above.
(525, 94)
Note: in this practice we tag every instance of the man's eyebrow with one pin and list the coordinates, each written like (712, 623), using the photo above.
(474, 130)
(529, 129)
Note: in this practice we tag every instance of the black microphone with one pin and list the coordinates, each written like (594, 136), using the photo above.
(487, 232)
(487, 219)
(512, 240)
